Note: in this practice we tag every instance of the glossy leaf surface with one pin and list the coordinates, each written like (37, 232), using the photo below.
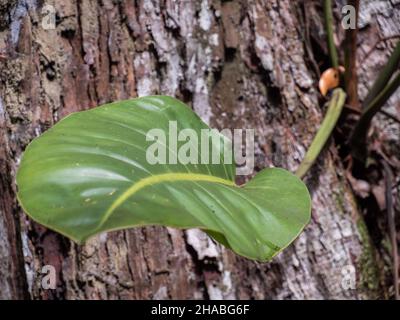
(89, 174)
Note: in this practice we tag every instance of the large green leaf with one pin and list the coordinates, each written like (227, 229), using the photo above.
(89, 174)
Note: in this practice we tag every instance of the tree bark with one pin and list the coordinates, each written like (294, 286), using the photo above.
(239, 64)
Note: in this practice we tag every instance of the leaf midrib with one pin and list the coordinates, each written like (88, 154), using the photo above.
(156, 179)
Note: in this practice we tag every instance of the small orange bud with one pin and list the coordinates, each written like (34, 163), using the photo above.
(329, 79)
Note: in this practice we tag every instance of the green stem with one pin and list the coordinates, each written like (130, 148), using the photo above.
(384, 76)
(335, 107)
(359, 135)
(329, 33)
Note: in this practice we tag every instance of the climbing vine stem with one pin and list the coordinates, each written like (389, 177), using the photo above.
(335, 107)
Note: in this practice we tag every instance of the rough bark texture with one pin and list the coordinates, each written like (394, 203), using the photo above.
(239, 64)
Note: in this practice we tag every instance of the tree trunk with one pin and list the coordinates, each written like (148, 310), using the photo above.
(239, 64)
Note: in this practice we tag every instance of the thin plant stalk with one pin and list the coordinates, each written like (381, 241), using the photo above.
(350, 78)
(384, 76)
(359, 135)
(335, 107)
(329, 33)
(392, 226)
